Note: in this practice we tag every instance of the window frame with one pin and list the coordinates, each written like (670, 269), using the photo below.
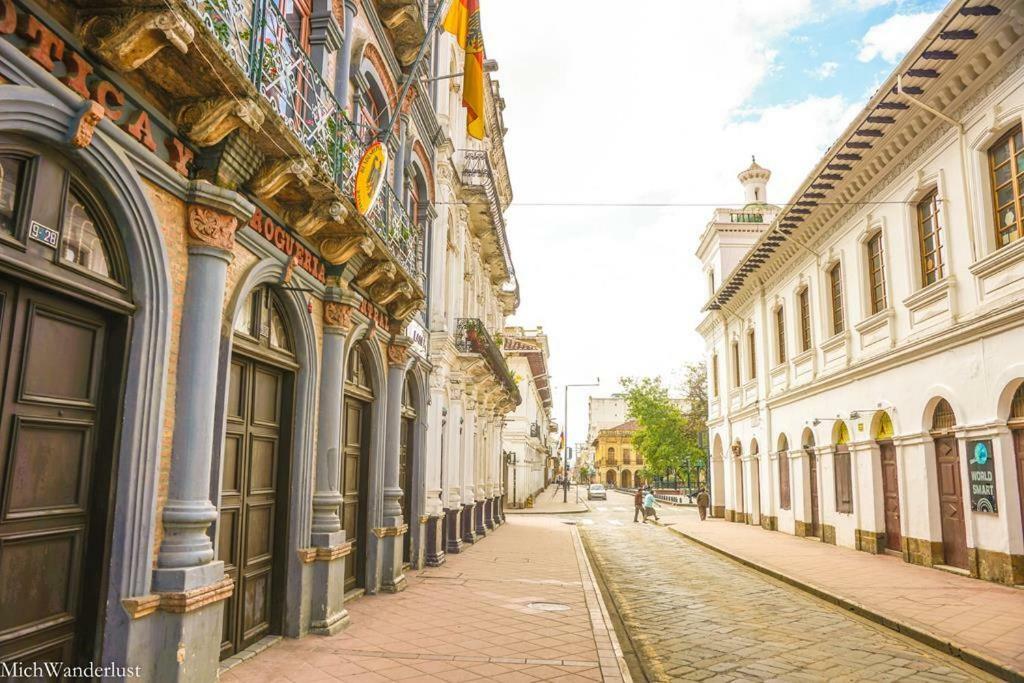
(803, 297)
(938, 271)
(752, 352)
(780, 335)
(837, 307)
(878, 299)
(737, 378)
(1015, 183)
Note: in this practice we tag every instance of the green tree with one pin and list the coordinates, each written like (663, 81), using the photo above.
(665, 436)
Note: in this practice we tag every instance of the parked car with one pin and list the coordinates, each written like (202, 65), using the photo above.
(596, 491)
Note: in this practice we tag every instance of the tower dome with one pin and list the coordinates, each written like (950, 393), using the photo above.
(755, 183)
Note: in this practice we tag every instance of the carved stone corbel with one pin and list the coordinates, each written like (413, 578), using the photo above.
(83, 126)
(308, 223)
(277, 174)
(374, 271)
(398, 351)
(339, 250)
(207, 122)
(338, 315)
(384, 292)
(211, 228)
(406, 309)
(128, 41)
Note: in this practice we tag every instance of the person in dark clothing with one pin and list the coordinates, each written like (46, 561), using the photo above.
(638, 503)
(703, 501)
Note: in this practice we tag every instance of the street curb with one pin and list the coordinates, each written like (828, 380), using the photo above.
(547, 512)
(968, 655)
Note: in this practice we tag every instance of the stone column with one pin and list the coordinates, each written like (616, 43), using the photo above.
(325, 36)
(469, 452)
(437, 443)
(866, 479)
(480, 512)
(190, 582)
(344, 63)
(392, 534)
(455, 444)
(329, 615)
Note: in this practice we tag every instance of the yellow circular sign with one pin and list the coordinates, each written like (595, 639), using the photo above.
(370, 177)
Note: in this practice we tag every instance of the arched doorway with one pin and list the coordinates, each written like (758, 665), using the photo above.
(359, 396)
(785, 491)
(405, 463)
(883, 433)
(755, 484)
(627, 479)
(609, 478)
(252, 529)
(951, 495)
(65, 302)
(807, 441)
(1016, 424)
(842, 468)
(737, 478)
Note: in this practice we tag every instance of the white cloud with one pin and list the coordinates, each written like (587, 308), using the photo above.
(891, 39)
(824, 71)
(618, 111)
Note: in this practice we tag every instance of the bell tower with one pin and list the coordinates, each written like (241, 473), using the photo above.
(755, 183)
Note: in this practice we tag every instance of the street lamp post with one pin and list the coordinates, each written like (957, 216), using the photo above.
(565, 430)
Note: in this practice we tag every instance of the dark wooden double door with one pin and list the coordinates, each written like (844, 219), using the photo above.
(59, 387)
(1018, 448)
(951, 502)
(405, 473)
(353, 488)
(890, 496)
(812, 473)
(252, 530)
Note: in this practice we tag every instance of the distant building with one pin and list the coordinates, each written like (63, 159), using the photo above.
(616, 463)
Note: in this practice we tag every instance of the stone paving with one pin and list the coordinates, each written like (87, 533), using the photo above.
(549, 502)
(483, 616)
(695, 615)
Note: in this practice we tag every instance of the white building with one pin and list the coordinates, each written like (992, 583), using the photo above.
(528, 440)
(864, 345)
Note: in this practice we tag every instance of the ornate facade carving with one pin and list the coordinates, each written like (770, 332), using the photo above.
(128, 41)
(277, 174)
(211, 228)
(398, 351)
(310, 222)
(339, 250)
(89, 115)
(337, 314)
(207, 122)
(406, 309)
(374, 271)
(386, 292)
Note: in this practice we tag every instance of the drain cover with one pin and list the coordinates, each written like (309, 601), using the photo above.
(548, 606)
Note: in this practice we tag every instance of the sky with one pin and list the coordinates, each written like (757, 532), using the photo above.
(661, 101)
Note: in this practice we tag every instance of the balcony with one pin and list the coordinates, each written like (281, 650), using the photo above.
(301, 123)
(486, 215)
(472, 337)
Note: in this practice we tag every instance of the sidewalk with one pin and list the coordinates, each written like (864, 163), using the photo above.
(979, 621)
(549, 502)
(519, 605)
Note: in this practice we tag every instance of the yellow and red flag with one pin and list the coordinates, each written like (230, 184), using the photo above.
(463, 22)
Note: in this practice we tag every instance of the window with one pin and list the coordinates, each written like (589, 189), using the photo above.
(1006, 163)
(262, 320)
(711, 282)
(735, 364)
(752, 352)
(835, 281)
(929, 233)
(876, 274)
(714, 375)
(780, 333)
(625, 456)
(805, 319)
(82, 244)
(10, 177)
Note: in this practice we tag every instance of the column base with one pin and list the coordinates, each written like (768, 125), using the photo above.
(468, 533)
(480, 527)
(328, 585)
(453, 531)
(434, 542)
(489, 514)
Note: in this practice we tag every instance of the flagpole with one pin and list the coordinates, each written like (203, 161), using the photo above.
(385, 135)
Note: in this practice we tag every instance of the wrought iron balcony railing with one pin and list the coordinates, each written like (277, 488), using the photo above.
(477, 172)
(260, 40)
(471, 336)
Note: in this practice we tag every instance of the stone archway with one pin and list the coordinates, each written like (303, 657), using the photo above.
(610, 478)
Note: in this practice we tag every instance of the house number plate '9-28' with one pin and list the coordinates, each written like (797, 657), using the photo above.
(43, 234)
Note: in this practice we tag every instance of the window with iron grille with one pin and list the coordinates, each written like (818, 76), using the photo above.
(930, 237)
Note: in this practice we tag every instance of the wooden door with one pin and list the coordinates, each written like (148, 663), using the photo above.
(890, 496)
(353, 488)
(951, 502)
(253, 490)
(1018, 448)
(812, 461)
(405, 471)
(60, 388)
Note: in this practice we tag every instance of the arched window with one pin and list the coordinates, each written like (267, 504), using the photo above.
(611, 456)
(843, 468)
(876, 273)
(262, 320)
(1017, 405)
(884, 429)
(81, 244)
(1006, 164)
(11, 172)
(943, 419)
(930, 239)
(835, 284)
(358, 373)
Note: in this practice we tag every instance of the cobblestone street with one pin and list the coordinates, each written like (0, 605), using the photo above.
(692, 614)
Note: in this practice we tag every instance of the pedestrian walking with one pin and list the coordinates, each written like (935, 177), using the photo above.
(638, 504)
(649, 507)
(703, 500)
